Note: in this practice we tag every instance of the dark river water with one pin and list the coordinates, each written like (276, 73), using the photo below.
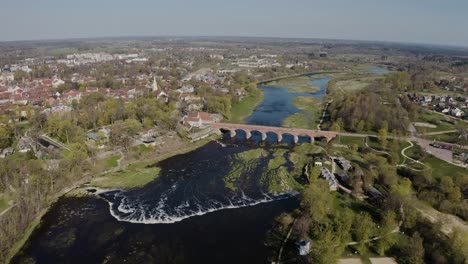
(187, 215)
(277, 104)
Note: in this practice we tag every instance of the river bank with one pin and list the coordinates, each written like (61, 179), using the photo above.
(110, 181)
(141, 172)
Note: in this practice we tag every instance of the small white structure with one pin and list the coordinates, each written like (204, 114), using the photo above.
(318, 164)
(304, 247)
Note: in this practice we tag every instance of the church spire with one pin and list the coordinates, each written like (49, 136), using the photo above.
(155, 84)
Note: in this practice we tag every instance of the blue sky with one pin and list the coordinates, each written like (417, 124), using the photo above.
(421, 21)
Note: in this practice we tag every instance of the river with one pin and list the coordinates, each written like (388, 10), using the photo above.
(187, 215)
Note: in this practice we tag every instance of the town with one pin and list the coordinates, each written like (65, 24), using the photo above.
(373, 134)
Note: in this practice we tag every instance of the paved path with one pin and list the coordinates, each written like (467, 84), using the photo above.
(323, 114)
(12, 204)
(378, 151)
(440, 132)
(284, 242)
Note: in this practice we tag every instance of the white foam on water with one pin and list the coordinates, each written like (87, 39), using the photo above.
(137, 213)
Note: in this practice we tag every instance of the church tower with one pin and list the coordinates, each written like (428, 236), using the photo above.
(155, 84)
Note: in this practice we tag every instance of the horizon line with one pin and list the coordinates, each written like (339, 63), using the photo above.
(238, 36)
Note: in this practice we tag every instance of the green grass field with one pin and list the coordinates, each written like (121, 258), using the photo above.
(441, 168)
(442, 122)
(113, 161)
(448, 137)
(245, 108)
(135, 175)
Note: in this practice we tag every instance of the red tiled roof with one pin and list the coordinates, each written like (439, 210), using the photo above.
(191, 119)
(205, 116)
(192, 114)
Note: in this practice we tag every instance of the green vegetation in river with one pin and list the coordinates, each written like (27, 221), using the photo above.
(311, 111)
(277, 177)
(304, 89)
(279, 167)
(290, 81)
(242, 164)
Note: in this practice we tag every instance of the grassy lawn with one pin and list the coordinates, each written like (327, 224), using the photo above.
(113, 161)
(135, 175)
(436, 119)
(350, 141)
(441, 168)
(245, 108)
(353, 85)
(449, 137)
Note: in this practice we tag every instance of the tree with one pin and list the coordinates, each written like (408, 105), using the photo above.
(354, 148)
(325, 247)
(361, 125)
(314, 174)
(387, 226)
(317, 201)
(363, 229)
(383, 134)
(122, 132)
(459, 245)
(414, 250)
(337, 126)
(6, 137)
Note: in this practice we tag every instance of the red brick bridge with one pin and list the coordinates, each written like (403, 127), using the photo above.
(295, 132)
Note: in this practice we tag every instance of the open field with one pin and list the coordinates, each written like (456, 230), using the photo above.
(449, 138)
(135, 175)
(441, 123)
(353, 84)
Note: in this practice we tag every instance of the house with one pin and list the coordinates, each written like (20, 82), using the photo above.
(343, 163)
(197, 119)
(24, 145)
(149, 136)
(186, 89)
(343, 178)
(374, 193)
(7, 152)
(57, 82)
(318, 164)
(330, 178)
(457, 112)
(92, 136)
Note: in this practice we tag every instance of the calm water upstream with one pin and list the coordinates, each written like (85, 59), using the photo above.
(187, 215)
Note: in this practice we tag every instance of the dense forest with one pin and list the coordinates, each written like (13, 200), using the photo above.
(369, 110)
